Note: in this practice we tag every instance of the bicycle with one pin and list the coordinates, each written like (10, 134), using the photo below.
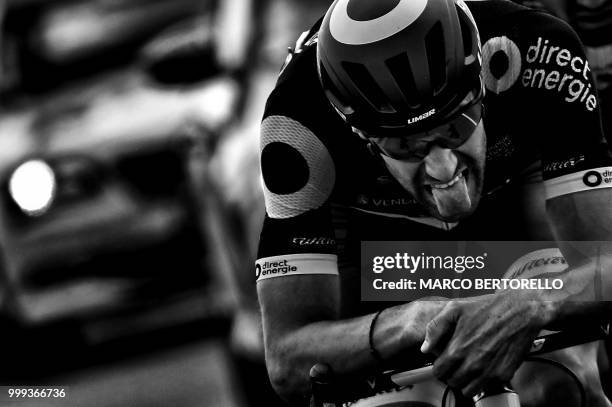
(328, 390)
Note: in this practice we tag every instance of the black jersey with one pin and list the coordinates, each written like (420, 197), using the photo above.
(325, 192)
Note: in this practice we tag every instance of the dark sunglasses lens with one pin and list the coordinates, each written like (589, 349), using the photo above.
(460, 129)
(450, 135)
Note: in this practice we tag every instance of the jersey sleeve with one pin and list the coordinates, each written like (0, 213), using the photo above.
(298, 179)
(562, 109)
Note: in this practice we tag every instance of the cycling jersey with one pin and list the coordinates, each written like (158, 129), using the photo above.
(326, 193)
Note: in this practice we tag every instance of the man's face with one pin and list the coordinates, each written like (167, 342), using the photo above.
(444, 171)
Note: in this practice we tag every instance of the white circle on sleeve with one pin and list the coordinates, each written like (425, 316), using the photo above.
(321, 169)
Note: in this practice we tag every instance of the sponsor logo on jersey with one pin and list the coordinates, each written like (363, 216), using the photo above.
(385, 203)
(563, 165)
(495, 81)
(268, 268)
(313, 241)
(362, 200)
(557, 69)
(594, 178)
(538, 263)
(320, 172)
(420, 117)
(296, 264)
(393, 202)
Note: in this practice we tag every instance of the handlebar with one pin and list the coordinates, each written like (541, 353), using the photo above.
(326, 388)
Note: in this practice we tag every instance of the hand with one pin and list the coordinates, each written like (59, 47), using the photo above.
(400, 330)
(490, 337)
(422, 312)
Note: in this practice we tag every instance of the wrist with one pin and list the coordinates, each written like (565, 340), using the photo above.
(418, 314)
(546, 309)
(391, 333)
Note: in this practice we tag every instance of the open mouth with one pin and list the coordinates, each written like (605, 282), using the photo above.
(451, 199)
(462, 174)
(448, 184)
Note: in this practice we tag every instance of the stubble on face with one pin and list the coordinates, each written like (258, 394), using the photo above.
(457, 200)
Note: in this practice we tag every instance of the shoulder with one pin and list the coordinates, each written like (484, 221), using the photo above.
(530, 54)
(298, 163)
(298, 93)
(517, 40)
(522, 28)
(519, 27)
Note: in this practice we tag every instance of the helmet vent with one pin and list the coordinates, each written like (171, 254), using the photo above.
(436, 57)
(367, 86)
(399, 66)
(333, 93)
(466, 33)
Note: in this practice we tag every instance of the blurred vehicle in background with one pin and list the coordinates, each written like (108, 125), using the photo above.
(104, 224)
(47, 43)
(97, 184)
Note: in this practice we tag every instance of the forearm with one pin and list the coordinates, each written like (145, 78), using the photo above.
(581, 223)
(343, 344)
(586, 295)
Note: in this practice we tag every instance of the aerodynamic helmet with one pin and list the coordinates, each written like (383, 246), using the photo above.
(406, 65)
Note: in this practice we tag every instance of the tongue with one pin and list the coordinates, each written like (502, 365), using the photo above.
(453, 200)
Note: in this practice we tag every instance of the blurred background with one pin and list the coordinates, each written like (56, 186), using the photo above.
(130, 198)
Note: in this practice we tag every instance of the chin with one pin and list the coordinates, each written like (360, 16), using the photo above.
(454, 217)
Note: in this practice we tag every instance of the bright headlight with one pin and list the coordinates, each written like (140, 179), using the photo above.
(32, 186)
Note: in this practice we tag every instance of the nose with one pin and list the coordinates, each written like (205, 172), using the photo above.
(440, 163)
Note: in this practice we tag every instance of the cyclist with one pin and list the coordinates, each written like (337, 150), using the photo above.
(376, 131)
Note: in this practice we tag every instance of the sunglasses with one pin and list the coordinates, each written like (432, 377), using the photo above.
(416, 146)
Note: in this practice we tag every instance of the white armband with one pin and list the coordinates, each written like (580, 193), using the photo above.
(296, 264)
(595, 178)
